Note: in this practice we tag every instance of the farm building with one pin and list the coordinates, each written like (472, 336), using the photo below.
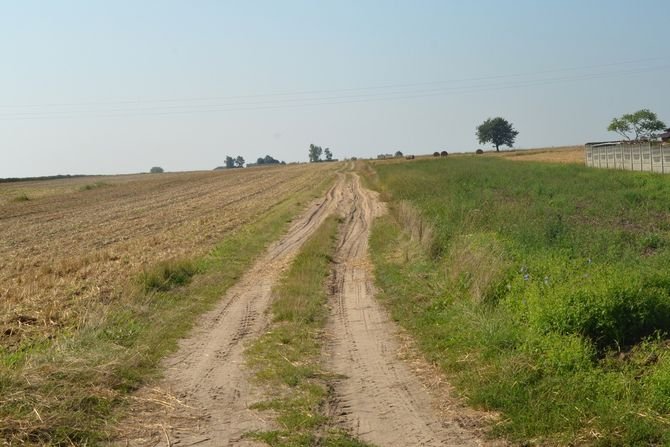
(665, 136)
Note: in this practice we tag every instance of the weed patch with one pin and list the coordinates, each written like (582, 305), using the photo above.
(23, 197)
(167, 275)
(96, 185)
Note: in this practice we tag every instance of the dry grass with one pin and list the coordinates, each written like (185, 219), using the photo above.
(418, 229)
(559, 154)
(564, 154)
(71, 247)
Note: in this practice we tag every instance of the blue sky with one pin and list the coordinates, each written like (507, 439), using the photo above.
(106, 87)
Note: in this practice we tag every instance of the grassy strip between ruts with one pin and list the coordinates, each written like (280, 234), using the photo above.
(73, 389)
(542, 290)
(287, 359)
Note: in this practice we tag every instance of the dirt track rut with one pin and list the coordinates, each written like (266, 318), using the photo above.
(206, 386)
(378, 399)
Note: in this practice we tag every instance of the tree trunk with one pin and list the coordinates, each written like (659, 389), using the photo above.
(497, 148)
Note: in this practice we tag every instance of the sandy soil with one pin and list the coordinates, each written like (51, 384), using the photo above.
(206, 396)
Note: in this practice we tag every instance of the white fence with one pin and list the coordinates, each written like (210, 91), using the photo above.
(632, 157)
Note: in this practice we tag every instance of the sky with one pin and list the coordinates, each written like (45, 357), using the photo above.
(111, 87)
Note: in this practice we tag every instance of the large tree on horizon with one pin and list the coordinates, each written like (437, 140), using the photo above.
(642, 124)
(497, 131)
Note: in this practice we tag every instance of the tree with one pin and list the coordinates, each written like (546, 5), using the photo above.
(328, 154)
(239, 162)
(398, 154)
(156, 170)
(644, 124)
(230, 162)
(314, 153)
(497, 131)
(267, 160)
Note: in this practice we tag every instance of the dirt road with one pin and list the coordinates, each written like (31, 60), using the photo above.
(378, 399)
(206, 391)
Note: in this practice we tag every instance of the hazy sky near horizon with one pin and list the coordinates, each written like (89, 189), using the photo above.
(103, 87)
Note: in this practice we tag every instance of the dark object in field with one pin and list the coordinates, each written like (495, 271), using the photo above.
(409, 157)
(444, 153)
(436, 154)
(479, 152)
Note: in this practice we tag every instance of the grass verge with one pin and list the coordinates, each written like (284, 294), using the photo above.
(287, 359)
(72, 389)
(544, 292)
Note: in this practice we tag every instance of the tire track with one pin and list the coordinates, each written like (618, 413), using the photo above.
(207, 375)
(378, 399)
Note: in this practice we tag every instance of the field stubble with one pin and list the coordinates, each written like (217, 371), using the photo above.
(73, 247)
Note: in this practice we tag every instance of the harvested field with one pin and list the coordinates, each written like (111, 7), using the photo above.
(101, 276)
(76, 242)
(567, 154)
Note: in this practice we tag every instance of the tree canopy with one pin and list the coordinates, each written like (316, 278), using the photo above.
(156, 170)
(643, 124)
(239, 162)
(230, 162)
(497, 131)
(315, 153)
(268, 160)
(328, 154)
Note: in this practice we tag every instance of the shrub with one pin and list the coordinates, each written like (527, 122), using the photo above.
(156, 170)
(479, 152)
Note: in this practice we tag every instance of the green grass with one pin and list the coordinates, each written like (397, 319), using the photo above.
(72, 389)
(544, 292)
(287, 359)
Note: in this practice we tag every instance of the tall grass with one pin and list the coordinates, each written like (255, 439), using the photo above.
(545, 296)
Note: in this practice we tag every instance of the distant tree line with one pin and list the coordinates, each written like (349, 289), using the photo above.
(45, 177)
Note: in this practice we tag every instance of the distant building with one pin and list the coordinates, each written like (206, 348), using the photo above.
(665, 137)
